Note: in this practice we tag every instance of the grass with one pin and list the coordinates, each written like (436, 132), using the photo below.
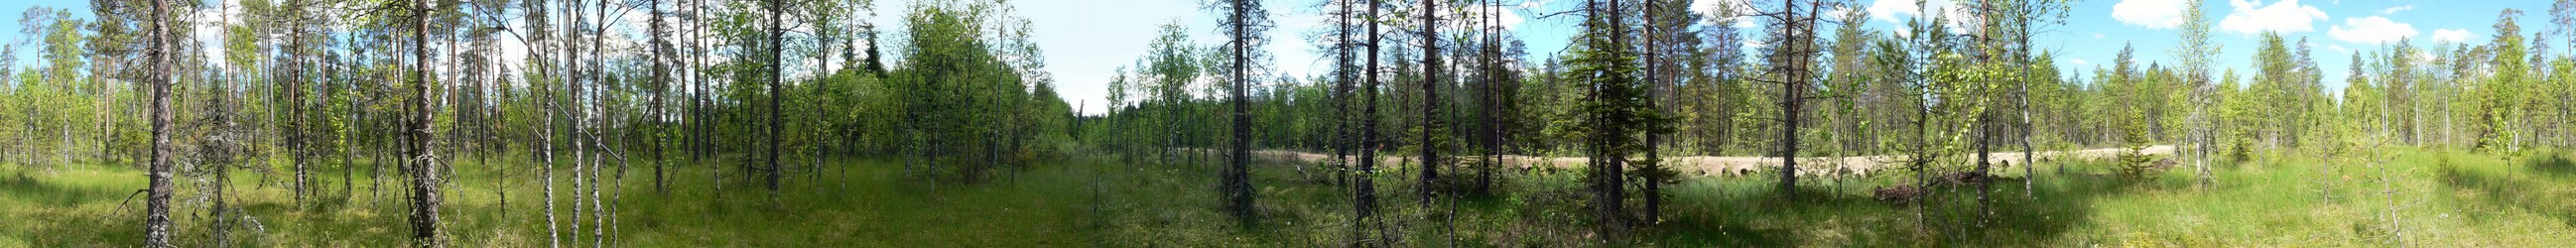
(2428, 198)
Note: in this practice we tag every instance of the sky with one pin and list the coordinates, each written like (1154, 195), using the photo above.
(1085, 41)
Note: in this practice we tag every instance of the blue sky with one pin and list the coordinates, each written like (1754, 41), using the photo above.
(2336, 28)
(1086, 40)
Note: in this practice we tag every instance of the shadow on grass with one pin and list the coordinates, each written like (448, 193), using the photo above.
(24, 187)
(63, 222)
(2544, 195)
(2555, 165)
(1758, 215)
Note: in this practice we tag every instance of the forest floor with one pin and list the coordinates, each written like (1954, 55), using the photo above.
(2416, 198)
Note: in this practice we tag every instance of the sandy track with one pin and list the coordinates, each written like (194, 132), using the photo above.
(1713, 165)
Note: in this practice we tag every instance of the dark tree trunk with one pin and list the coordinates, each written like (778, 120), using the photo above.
(1342, 80)
(661, 82)
(1366, 181)
(1430, 102)
(1654, 180)
(1492, 103)
(1793, 58)
(777, 39)
(1238, 181)
(1607, 146)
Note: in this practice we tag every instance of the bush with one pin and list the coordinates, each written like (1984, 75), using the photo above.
(2137, 166)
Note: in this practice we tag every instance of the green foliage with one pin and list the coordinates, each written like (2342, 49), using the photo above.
(963, 106)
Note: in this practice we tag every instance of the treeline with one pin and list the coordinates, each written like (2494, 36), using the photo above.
(2281, 102)
(743, 91)
(1647, 80)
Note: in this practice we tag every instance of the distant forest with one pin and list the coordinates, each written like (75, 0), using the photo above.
(1431, 99)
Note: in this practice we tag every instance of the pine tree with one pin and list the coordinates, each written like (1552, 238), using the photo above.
(1366, 205)
(1245, 19)
(1792, 63)
(156, 222)
(1612, 112)
(777, 44)
(1430, 148)
(425, 200)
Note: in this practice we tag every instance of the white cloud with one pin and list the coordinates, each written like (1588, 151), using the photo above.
(1838, 12)
(2372, 30)
(2394, 10)
(210, 29)
(2453, 36)
(2338, 49)
(2286, 16)
(2154, 14)
(1897, 11)
(2097, 36)
(1710, 9)
(2078, 62)
(1511, 20)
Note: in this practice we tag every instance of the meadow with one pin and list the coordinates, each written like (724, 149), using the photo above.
(2404, 197)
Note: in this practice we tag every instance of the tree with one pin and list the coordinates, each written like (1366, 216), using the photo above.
(295, 130)
(1668, 43)
(425, 201)
(156, 220)
(2020, 18)
(1613, 112)
(2562, 70)
(2501, 107)
(1791, 62)
(1366, 205)
(2273, 61)
(1344, 76)
(777, 73)
(538, 27)
(1430, 102)
(661, 84)
(1499, 88)
(2196, 53)
(2398, 77)
(1244, 20)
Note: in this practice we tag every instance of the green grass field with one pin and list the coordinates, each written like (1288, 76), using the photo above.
(2431, 198)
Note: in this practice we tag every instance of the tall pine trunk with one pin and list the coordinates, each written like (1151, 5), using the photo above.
(777, 39)
(1366, 205)
(425, 201)
(156, 221)
(661, 85)
(1430, 102)
(1238, 181)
